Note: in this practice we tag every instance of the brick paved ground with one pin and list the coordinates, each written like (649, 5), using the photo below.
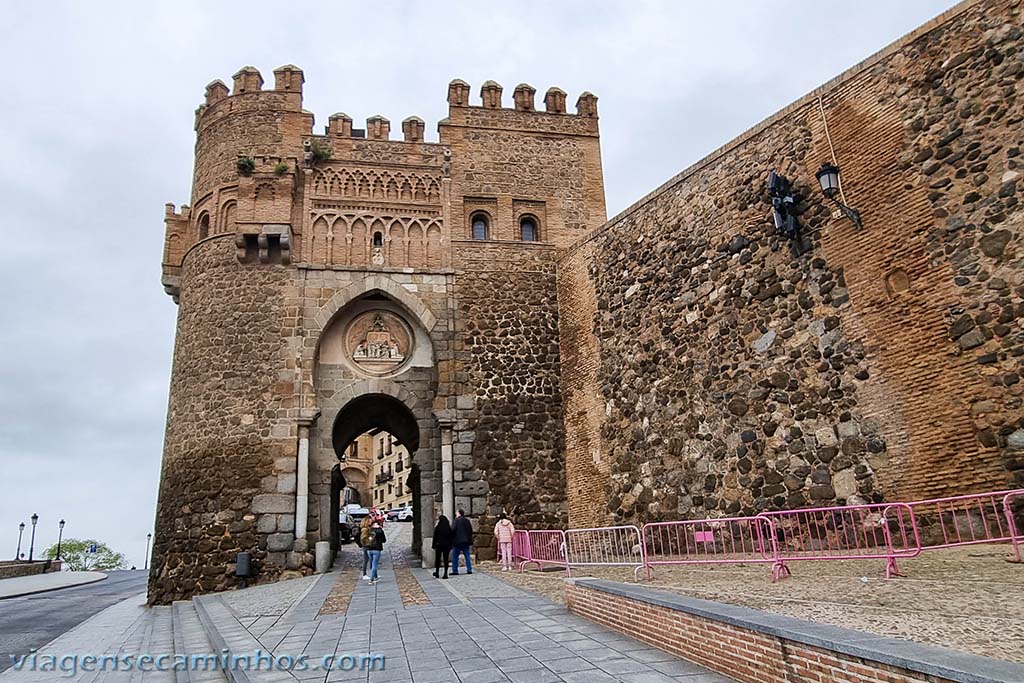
(963, 598)
(470, 628)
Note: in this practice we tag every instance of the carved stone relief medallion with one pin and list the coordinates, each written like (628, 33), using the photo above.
(378, 342)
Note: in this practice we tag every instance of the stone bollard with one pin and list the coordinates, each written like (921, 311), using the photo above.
(323, 556)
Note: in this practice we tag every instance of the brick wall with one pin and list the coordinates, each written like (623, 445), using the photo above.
(730, 370)
(752, 654)
(504, 156)
(587, 466)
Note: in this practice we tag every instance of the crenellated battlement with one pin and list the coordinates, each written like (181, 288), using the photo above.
(523, 99)
(247, 94)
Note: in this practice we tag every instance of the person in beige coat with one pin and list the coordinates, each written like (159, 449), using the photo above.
(504, 531)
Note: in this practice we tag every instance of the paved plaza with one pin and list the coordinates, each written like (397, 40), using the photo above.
(968, 599)
(468, 629)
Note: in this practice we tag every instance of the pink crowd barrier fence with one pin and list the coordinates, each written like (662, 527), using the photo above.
(1013, 507)
(729, 540)
(612, 546)
(520, 547)
(853, 532)
(545, 547)
(969, 520)
(889, 531)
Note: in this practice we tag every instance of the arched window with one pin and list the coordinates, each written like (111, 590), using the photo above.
(481, 226)
(204, 226)
(378, 239)
(528, 231)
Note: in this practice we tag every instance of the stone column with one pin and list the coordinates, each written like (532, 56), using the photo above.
(306, 420)
(302, 484)
(447, 472)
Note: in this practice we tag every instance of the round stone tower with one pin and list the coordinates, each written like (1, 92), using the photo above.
(228, 479)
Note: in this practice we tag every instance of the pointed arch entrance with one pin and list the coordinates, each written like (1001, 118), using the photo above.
(375, 369)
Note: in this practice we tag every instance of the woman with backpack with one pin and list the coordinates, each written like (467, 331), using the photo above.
(374, 547)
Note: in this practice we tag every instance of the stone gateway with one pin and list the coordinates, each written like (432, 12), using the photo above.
(685, 359)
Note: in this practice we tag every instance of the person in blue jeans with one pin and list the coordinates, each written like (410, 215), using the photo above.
(462, 541)
(374, 548)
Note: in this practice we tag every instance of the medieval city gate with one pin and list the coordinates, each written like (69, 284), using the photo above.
(329, 282)
(375, 368)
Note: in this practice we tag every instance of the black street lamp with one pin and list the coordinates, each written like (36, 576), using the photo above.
(828, 178)
(60, 536)
(21, 530)
(32, 544)
(149, 537)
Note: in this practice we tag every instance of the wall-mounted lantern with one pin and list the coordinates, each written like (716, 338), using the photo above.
(783, 206)
(828, 178)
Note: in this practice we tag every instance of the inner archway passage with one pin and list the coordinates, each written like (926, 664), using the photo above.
(393, 422)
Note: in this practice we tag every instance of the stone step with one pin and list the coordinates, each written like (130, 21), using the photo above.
(190, 638)
(226, 633)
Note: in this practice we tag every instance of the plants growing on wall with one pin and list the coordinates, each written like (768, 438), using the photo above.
(317, 152)
(246, 165)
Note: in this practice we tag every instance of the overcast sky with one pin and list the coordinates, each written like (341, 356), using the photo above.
(96, 114)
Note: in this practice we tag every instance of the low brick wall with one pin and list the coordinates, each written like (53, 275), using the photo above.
(10, 570)
(759, 647)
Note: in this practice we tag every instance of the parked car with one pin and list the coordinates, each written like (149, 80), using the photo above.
(348, 526)
(392, 515)
(348, 522)
(404, 514)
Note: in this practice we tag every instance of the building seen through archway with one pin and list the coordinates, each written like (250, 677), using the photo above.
(376, 468)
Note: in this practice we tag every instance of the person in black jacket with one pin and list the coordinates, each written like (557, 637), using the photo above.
(442, 545)
(462, 541)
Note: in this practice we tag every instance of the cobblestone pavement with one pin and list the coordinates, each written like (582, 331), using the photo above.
(969, 599)
(468, 629)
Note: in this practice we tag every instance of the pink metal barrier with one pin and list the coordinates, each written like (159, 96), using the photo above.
(853, 532)
(1013, 506)
(729, 540)
(967, 520)
(545, 547)
(520, 547)
(889, 531)
(613, 546)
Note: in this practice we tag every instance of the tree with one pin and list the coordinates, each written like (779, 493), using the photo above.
(76, 556)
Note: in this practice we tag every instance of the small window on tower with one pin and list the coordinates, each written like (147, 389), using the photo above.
(204, 226)
(528, 229)
(378, 239)
(481, 226)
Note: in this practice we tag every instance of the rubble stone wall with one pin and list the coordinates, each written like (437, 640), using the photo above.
(736, 371)
(507, 319)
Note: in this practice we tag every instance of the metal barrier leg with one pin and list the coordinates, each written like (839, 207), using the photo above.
(1011, 524)
(780, 571)
(892, 569)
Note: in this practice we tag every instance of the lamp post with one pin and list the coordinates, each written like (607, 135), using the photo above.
(60, 537)
(149, 537)
(21, 530)
(828, 178)
(32, 544)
